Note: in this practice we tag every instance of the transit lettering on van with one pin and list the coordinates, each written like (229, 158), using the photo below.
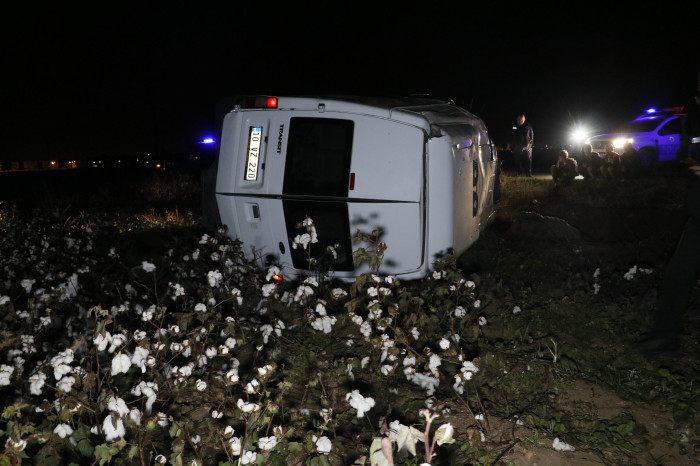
(349, 163)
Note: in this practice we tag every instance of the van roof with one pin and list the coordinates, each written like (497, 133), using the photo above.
(419, 111)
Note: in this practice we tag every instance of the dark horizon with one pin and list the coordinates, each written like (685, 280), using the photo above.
(115, 81)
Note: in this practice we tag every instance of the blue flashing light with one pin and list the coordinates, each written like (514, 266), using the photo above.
(208, 141)
(651, 110)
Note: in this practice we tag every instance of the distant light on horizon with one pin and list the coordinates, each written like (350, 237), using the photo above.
(208, 141)
(651, 110)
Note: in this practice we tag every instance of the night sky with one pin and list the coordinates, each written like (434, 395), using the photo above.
(130, 79)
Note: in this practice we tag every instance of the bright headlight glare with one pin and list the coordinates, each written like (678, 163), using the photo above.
(578, 134)
(619, 143)
(587, 141)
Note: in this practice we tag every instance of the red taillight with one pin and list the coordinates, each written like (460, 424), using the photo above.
(260, 101)
(271, 102)
(277, 278)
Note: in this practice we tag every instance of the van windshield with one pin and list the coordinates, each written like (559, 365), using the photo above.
(318, 157)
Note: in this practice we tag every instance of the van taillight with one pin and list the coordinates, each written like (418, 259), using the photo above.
(260, 101)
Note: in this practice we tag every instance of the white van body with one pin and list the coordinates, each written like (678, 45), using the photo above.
(421, 170)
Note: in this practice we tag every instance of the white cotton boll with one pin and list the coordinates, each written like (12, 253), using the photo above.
(482, 321)
(232, 375)
(517, 310)
(95, 430)
(196, 439)
(117, 340)
(102, 340)
(384, 291)
(364, 362)
(230, 342)
(214, 278)
(135, 416)
(477, 304)
(249, 457)
(433, 364)
(217, 414)
(61, 363)
(200, 307)
(118, 406)
(267, 443)
(113, 428)
(479, 417)
(4, 300)
(36, 382)
(201, 385)
(27, 284)
(147, 266)
(415, 333)
(558, 445)
(321, 309)
(372, 291)
(457, 386)
(631, 273)
(323, 444)
(252, 386)
(161, 459)
(139, 358)
(268, 288)
(302, 240)
(266, 369)
(120, 364)
(596, 288)
(366, 329)
(63, 430)
(338, 293)
(162, 419)
(386, 369)
(425, 381)
(324, 324)
(266, 331)
(360, 403)
(228, 432)
(211, 352)
(139, 335)
(5, 374)
(65, 384)
(596, 274)
(235, 444)
(247, 407)
(223, 350)
(460, 311)
(444, 343)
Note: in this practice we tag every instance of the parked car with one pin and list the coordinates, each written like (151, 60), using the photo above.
(655, 134)
(421, 170)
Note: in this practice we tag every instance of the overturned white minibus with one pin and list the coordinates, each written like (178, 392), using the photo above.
(421, 170)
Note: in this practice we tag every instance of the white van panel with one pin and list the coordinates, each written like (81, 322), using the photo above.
(402, 227)
(258, 223)
(387, 160)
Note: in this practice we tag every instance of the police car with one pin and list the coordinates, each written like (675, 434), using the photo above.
(655, 134)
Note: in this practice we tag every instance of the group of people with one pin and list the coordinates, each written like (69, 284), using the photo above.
(591, 165)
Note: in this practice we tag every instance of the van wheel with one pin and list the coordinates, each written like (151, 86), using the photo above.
(649, 156)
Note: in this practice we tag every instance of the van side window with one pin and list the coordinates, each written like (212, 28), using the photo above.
(318, 157)
(671, 127)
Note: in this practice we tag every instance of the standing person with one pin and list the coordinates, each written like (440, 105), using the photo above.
(611, 162)
(522, 146)
(630, 161)
(683, 267)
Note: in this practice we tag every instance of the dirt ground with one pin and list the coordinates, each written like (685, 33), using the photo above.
(583, 311)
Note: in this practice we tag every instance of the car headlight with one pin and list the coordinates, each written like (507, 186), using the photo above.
(619, 143)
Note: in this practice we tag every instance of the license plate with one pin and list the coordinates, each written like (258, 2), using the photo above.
(253, 157)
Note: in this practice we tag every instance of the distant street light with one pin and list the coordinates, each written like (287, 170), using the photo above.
(207, 141)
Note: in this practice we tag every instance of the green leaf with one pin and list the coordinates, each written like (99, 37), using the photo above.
(82, 441)
(105, 452)
(376, 456)
(664, 373)
(277, 460)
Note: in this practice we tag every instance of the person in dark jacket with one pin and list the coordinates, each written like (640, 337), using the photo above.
(589, 162)
(611, 163)
(565, 170)
(522, 146)
(630, 161)
(682, 269)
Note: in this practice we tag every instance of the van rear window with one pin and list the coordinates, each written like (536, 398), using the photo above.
(318, 157)
(332, 226)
